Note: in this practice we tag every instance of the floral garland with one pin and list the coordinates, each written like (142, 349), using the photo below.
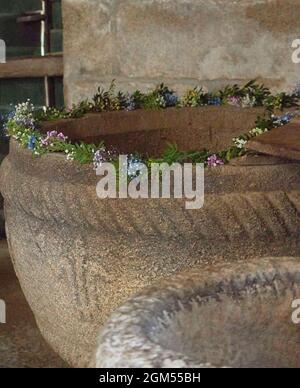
(23, 124)
(161, 97)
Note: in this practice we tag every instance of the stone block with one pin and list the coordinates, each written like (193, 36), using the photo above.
(183, 43)
(283, 142)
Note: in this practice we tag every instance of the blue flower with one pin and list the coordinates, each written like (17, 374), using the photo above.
(170, 99)
(134, 166)
(286, 118)
(216, 101)
(31, 143)
(282, 120)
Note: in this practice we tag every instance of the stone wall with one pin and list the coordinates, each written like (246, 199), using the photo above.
(3, 153)
(182, 42)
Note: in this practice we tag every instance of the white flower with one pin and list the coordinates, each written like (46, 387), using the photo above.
(257, 131)
(248, 102)
(70, 155)
(239, 142)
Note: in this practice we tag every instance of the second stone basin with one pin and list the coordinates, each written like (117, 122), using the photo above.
(237, 315)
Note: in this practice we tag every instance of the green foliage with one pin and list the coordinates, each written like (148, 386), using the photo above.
(193, 98)
(152, 101)
(107, 100)
(231, 153)
(265, 122)
(22, 125)
(258, 92)
(160, 97)
(251, 94)
(251, 91)
(280, 101)
(172, 155)
(80, 109)
(137, 99)
(230, 91)
(50, 114)
(81, 152)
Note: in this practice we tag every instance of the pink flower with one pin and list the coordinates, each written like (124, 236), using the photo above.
(62, 137)
(51, 137)
(45, 142)
(51, 133)
(214, 161)
(235, 101)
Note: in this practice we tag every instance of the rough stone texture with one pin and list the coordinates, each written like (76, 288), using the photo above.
(21, 344)
(283, 141)
(230, 315)
(2, 220)
(147, 131)
(3, 153)
(254, 159)
(182, 42)
(79, 257)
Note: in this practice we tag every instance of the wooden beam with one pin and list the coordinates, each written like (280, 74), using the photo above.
(33, 67)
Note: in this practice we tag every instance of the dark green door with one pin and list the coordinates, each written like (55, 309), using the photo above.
(23, 37)
(30, 28)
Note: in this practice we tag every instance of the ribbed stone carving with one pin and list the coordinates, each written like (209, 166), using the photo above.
(78, 257)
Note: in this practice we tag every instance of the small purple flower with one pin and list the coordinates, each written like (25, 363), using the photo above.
(26, 122)
(52, 133)
(214, 161)
(62, 137)
(103, 156)
(45, 142)
(51, 137)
